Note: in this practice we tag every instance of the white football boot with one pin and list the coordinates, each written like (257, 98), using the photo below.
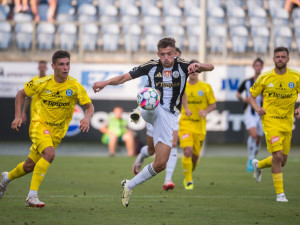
(281, 198)
(3, 184)
(33, 201)
(257, 171)
(126, 194)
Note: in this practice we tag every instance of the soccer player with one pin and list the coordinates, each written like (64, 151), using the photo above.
(251, 119)
(192, 124)
(280, 87)
(42, 67)
(58, 95)
(168, 75)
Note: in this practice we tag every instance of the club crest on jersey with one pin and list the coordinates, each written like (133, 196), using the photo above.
(167, 74)
(291, 85)
(274, 139)
(175, 74)
(200, 93)
(69, 92)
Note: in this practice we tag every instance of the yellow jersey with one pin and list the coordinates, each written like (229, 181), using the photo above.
(33, 98)
(280, 93)
(55, 102)
(199, 96)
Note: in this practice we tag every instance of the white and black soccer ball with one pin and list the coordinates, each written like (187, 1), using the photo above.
(148, 98)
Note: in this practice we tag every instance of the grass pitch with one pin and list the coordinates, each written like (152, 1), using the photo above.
(87, 190)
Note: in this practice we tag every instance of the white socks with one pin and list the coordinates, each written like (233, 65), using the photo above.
(6, 180)
(146, 173)
(143, 154)
(171, 164)
(252, 148)
(31, 192)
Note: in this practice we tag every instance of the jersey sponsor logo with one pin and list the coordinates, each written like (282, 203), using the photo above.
(46, 131)
(57, 95)
(277, 95)
(278, 117)
(59, 104)
(200, 93)
(194, 102)
(162, 84)
(53, 124)
(274, 139)
(291, 85)
(69, 92)
(167, 74)
(271, 85)
(184, 136)
(158, 75)
(175, 74)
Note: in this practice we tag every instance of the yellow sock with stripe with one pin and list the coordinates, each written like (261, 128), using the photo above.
(187, 166)
(278, 182)
(39, 172)
(17, 172)
(267, 162)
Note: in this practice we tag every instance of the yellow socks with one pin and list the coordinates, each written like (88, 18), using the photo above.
(265, 163)
(39, 172)
(278, 182)
(187, 167)
(17, 172)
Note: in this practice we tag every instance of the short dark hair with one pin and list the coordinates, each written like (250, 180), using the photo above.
(281, 49)
(42, 62)
(60, 54)
(258, 60)
(166, 42)
(178, 50)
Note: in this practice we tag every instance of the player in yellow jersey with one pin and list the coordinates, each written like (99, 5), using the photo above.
(192, 124)
(280, 87)
(42, 67)
(57, 97)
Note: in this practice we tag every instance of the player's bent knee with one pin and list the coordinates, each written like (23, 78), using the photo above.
(49, 154)
(28, 168)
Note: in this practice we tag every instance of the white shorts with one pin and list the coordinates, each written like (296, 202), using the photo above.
(163, 123)
(149, 128)
(253, 121)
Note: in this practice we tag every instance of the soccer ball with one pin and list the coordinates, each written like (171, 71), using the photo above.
(148, 98)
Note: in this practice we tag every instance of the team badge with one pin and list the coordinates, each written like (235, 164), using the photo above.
(69, 92)
(200, 93)
(175, 74)
(167, 74)
(291, 85)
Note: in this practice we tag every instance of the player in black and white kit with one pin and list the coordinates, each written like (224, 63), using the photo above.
(168, 75)
(251, 119)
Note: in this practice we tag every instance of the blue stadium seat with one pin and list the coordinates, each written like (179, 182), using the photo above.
(146, 5)
(87, 13)
(65, 13)
(45, 35)
(67, 34)
(24, 35)
(260, 37)
(109, 14)
(23, 17)
(102, 4)
(281, 17)
(275, 5)
(4, 10)
(283, 36)
(239, 39)
(177, 32)
(236, 17)
(193, 38)
(129, 17)
(110, 37)
(297, 34)
(217, 37)
(5, 35)
(90, 36)
(216, 17)
(153, 34)
(132, 38)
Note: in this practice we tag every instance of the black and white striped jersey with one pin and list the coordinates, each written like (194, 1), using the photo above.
(169, 81)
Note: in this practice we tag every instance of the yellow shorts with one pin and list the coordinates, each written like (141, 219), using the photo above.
(277, 140)
(41, 138)
(189, 139)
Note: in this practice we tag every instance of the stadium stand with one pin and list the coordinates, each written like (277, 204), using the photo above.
(45, 35)
(241, 27)
(5, 35)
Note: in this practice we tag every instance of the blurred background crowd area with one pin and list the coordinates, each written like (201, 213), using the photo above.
(233, 32)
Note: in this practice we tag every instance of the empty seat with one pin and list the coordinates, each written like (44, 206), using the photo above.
(231, 4)
(258, 17)
(5, 35)
(281, 17)
(24, 35)
(110, 37)
(4, 10)
(87, 13)
(153, 34)
(297, 34)
(131, 16)
(147, 4)
(124, 5)
(109, 14)
(260, 37)
(23, 17)
(216, 17)
(275, 5)
(102, 4)
(177, 32)
(65, 13)
(132, 38)
(217, 37)
(236, 17)
(67, 33)
(45, 35)
(193, 37)
(283, 36)
(90, 36)
(239, 39)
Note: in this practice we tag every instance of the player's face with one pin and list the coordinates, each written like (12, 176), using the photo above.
(281, 59)
(258, 66)
(166, 56)
(42, 68)
(61, 68)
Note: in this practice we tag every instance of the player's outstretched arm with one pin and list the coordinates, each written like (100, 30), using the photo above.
(18, 110)
(99, 85)
(260, 111)
(200, 67)
(85, 122)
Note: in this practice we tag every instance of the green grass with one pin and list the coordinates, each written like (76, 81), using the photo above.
(87, 190)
